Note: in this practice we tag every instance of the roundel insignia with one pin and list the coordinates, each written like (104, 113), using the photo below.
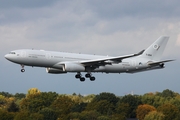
(155, 46)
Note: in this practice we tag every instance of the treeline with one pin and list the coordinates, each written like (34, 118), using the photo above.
(36, 105)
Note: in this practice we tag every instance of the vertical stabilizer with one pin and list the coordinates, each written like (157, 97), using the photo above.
(155, 51)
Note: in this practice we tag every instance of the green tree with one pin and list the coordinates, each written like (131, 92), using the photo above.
(177, 116)
(104, 107)
(89, 115)
(103, 118)
(110, 97)
(133, 102)
(170, 111)
(118, 117)
(2, 101)
(153, 99)
(78, 107)
(143, 110)
(63, 106)
(175, 101)
(74, 116)
(32, 104)
(6, 94)
(4, 115)
(37, 101)
(154, 115)
(12, 107)
(48, 113)
(167, 93)
(123, 109)
(19, 95)
(25, 115)
(22, 115)
(36, 116)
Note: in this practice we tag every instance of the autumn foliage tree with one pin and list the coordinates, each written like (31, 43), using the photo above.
(37, 105)
(143, 110)
(154, 115)
(170, 111)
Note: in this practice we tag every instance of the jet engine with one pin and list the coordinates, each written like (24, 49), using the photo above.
(73, 67)
(55, 71)
(162, 65)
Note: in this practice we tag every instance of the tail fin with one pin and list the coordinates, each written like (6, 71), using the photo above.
(155, 51)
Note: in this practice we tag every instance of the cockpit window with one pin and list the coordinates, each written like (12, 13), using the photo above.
(12, 53)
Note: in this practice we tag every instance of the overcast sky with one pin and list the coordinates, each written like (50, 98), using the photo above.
(105, 27)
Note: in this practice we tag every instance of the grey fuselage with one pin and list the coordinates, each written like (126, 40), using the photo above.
(51, 59)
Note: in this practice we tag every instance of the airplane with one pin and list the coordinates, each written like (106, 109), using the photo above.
(62, 62)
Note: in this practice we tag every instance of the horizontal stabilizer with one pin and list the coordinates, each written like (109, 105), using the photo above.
(157, 63)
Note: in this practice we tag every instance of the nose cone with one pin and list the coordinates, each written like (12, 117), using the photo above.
(7, 56)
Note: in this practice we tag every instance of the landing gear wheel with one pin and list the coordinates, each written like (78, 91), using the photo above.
(78, 76)
(92, 78)
(88, 75)
(82, 79)
(22, 70)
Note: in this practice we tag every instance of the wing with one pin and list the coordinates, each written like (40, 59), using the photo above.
(108, 60)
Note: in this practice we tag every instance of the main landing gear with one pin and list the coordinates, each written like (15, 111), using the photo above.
(22, 70)
(88, 75)
(82, 79)
(79, 76)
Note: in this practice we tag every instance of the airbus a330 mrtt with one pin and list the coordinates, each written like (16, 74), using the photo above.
(61, 62)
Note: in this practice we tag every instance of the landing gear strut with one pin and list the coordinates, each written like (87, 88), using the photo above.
(22, 70)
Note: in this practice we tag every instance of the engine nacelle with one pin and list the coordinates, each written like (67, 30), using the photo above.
(54, 71)
(162, 65)
(73, 67)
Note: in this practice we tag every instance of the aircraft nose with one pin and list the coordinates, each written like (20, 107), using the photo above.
(8, 57)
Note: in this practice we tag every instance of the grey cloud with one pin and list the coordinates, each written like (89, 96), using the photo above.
(8, 4)
(136, 8)
(70, 21)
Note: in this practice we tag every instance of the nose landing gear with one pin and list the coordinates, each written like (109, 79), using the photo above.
(22, 70)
